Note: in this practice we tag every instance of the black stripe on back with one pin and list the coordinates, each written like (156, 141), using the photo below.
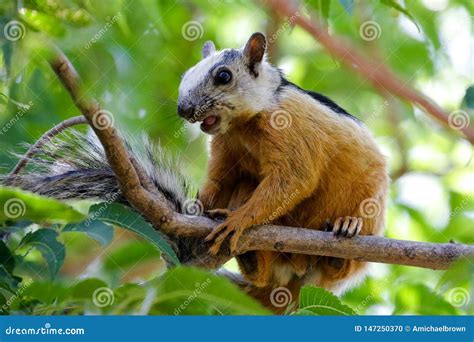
(318, 97)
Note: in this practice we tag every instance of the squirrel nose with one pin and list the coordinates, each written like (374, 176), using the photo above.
(185, 111)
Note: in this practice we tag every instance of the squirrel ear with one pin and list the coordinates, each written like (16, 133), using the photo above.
(254, 51)
(208, 49)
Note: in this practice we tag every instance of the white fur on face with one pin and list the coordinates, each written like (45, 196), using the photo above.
(195, 75)
(244, 94)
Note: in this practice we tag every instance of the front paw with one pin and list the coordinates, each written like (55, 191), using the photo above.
(346, 226)
(222, 231)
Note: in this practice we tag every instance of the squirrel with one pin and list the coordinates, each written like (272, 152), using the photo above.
(279, 154)
(284, 155)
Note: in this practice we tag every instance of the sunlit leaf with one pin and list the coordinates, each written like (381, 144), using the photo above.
(190, 291)
(318, 301)
(16, 205)
(45, 240)
(99, 231)
(394, 4)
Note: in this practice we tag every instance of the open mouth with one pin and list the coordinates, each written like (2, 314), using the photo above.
(210, 123)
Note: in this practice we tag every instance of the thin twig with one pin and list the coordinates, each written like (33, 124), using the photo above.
(45, 138)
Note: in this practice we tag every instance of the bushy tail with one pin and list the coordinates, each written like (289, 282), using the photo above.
(73, 165)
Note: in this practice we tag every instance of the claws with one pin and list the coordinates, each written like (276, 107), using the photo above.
(220, 234)
(347, 226)
(232, 226)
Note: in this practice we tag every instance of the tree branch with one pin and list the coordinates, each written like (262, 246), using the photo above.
(375, 71)
(136, 188)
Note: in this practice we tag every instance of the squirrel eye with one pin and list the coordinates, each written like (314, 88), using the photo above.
(223, 77)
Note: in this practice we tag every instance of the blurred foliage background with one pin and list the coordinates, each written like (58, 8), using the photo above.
(131, 55)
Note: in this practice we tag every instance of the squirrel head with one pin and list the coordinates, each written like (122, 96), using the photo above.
(228, 85)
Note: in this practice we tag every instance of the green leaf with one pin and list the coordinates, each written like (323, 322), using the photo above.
(418, 299)
(321, 6)
(3, 301)
(190, 291)
(46, 291)
(128, 255)
(318, 301)
(50, 248)
(43, 22)
(86, 288)
(469, 97)
(16, 205)
(7, 260)
(129, 298)
(125, 217)
(99, 231)
(8, 281)
(394, 4)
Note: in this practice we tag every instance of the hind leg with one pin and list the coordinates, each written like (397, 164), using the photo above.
(338, 274)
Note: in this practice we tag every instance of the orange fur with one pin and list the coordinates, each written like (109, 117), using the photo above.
(319, 168)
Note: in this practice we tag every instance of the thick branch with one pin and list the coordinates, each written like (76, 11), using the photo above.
(372, 70)
(313, 242)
